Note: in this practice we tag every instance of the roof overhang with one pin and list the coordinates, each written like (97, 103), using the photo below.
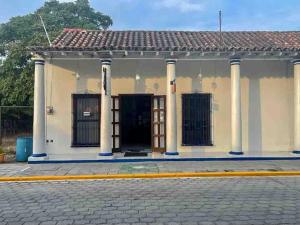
(180, 55)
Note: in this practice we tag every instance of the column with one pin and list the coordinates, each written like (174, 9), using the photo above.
(38, 151)
(171, 131)
(106, 120)
(236, 117)
(296, 63)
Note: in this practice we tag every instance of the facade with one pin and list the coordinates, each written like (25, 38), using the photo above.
(100, 94)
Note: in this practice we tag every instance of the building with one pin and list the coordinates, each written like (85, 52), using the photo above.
(173, 92)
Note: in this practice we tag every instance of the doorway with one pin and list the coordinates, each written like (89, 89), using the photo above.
(135, 112)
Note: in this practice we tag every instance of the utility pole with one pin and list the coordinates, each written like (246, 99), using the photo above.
(220, 28)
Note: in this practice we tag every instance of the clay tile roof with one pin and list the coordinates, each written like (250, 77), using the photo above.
(79, 39)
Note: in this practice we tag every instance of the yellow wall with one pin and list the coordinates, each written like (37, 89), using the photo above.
(266, 87)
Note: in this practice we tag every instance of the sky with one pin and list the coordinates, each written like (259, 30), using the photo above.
(182, 14)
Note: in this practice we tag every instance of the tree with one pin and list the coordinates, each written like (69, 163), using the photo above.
(16, 82)
(16, 72)
(56, 15)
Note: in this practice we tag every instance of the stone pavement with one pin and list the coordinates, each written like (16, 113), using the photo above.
(188, 201)
(23, 169)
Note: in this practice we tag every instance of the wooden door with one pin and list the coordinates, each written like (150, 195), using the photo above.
(136, 117)
(159, 123)
(116, 123)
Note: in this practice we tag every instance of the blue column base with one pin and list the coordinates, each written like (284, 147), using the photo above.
(296, 151)
(39, 155)
(171, 153)
(105, 154)
(236, 153)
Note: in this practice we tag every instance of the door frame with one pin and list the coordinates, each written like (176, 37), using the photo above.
(120, 117)
(115, 98)
(161, 150)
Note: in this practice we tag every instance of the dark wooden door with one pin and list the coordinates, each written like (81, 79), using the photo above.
(135, 122)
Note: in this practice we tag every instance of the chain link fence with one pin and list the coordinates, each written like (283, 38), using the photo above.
(15, 121)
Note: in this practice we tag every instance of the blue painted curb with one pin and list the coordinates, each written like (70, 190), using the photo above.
(165, 159)
(236, 153)
(171, 153)
(39, 155)
(105, 154)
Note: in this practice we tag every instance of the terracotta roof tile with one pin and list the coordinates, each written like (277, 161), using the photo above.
(77, 39)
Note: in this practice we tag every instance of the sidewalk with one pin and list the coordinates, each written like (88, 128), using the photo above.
(24, 169)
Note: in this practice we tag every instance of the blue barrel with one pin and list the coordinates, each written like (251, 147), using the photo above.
(23, 149)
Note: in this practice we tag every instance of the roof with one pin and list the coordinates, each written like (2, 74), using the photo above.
(98, 40)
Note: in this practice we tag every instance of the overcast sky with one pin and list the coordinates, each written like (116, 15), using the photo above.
(183, 14)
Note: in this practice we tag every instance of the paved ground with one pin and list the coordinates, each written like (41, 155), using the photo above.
(210, 201)
(23, 169)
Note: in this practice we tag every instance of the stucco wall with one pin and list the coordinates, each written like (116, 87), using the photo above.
(266, 87)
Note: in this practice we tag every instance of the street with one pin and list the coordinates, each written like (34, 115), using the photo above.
(210, 201)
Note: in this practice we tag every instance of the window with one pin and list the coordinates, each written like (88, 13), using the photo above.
(196, 120)
(86, 120)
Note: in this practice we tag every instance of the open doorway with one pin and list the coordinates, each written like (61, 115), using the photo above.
(135, 126)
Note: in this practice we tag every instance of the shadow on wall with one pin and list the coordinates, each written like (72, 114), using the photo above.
(254, 117)
(139, 84)
(85, 73)
(197, 84)
(81, 83)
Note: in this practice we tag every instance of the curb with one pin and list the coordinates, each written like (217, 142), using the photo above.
(153, 175)
(128, 160)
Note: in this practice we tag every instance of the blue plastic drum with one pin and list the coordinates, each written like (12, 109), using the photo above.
(23, 149)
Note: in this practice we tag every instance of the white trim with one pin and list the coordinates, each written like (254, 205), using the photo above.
(276, 54)
(180, 59)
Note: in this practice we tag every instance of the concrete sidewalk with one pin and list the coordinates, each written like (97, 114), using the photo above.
(24, 169)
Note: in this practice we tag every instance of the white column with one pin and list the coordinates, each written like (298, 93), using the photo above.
(38, 151)
(296, 106)
(106, 119)
(236, 117)
(171, 131)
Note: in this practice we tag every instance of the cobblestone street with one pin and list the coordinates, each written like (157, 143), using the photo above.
(210, 201)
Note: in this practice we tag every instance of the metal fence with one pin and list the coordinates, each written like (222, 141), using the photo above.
(15, 121)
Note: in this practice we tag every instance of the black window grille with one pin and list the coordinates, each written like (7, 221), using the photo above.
(86, 120)
(196, 120)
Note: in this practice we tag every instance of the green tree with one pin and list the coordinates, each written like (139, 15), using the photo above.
(20, 32)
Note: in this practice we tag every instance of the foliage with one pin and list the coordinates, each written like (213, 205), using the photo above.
(16, 80)
(28, 29)
(1, 151)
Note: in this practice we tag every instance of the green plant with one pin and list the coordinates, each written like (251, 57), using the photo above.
(20, 32)
(1, 151)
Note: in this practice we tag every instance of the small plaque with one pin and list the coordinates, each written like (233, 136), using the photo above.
(86, 114)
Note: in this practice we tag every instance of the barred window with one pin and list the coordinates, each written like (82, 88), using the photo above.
(196, 119)
(86, 120)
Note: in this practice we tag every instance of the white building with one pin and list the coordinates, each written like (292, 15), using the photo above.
(99, 93)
